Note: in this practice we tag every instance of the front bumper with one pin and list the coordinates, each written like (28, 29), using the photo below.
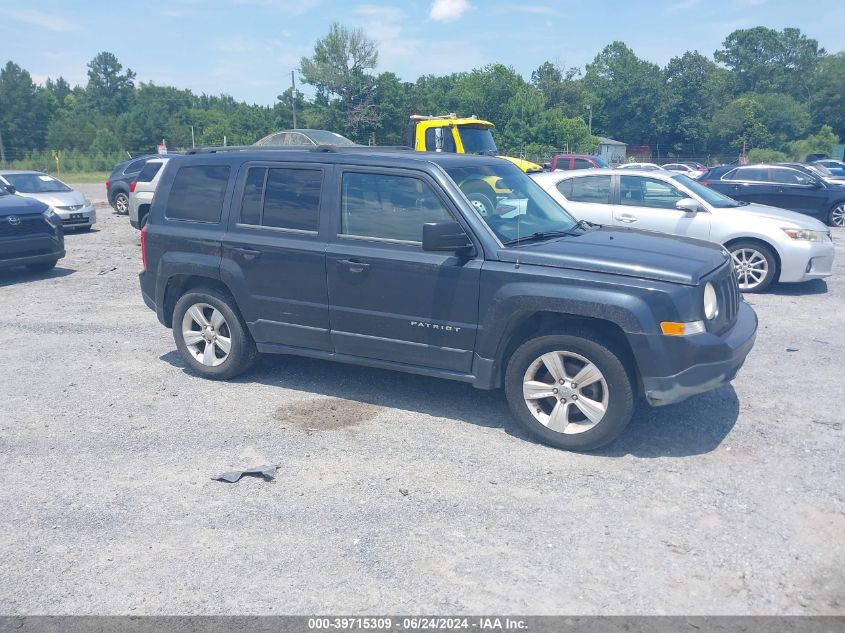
(78, 218)
(802, 260)
(709, 360)
(31, 249)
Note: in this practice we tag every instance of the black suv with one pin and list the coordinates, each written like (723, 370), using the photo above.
(376, 257)
(31, 233)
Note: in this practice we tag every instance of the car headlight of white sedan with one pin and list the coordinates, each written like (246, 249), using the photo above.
(806, 235)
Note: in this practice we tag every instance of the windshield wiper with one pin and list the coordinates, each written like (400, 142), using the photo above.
(587, 225)
(541, 235)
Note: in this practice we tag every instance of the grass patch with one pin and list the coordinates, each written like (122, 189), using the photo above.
(82, 177)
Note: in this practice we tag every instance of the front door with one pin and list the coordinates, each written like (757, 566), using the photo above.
(649, 204)
(389, 299)
(798, 191)
(273, 258)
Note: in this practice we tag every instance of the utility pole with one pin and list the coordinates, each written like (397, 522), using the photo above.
(2, 151)
(590, 108)
(193, 144)
(293, 96)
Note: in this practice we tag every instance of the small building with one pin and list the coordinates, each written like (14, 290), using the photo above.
(612, 151)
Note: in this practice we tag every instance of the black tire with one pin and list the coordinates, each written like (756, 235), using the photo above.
(481, 195)
(620, 395)
(242, 353)
(143, 221)
(43, 267)
(121, 203)
(771, 264)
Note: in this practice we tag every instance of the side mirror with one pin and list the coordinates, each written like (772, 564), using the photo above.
(9, 188)
(445, 236)
(688, 206)
(815, 184)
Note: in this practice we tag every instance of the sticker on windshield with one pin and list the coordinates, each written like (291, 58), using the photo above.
(46, 178)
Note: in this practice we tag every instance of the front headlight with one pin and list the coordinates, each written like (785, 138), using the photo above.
(711, 302)
(806, 235)
(53, 218)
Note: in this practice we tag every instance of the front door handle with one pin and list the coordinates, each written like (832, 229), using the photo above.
(248, 253)
(627, 217)
(353, 266)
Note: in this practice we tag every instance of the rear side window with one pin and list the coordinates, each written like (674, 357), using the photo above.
(197, 193)
(388, 207)
(149, 172)
(283, 198)
(135, 166)
(752, 174)
(562, 163)
(594, 189)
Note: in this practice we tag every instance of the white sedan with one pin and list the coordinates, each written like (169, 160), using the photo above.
(767, 244)
(642, 166)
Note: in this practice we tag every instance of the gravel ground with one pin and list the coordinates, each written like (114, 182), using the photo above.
(396, 493)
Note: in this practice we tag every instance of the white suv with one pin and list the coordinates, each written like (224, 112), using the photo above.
(142, 189)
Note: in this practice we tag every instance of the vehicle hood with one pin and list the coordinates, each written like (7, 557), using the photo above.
(57, 198)
(628, 252)
(525, 165)
(784, 217)
(18, 205)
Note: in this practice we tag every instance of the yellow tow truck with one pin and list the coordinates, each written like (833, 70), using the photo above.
(464, 135)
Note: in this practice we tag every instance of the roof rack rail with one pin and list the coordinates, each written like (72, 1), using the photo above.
(339, 149)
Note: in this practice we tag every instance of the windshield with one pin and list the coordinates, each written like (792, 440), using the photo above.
(820, 170)
(601, 162)
(478, 139)
(710, 196)
(511, 203)
(35, 183)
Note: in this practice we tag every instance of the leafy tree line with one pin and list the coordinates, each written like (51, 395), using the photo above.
(776, 91)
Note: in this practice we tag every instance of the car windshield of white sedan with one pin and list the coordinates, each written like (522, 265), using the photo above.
(512, 204)
(710, 196)
(35, 183)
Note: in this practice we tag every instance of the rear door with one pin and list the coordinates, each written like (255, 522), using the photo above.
(649, 204)
(273, 256)
(390, 300)
(749, 184)
(588, 197)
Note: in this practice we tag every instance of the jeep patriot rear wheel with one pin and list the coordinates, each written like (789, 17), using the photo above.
(569, 391)
(211, 336)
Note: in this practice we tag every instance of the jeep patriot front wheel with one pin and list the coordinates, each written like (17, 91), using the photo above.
(570, 392)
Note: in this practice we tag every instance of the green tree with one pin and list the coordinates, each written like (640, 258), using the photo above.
(764, 60)
(627, 92)
(821, 142)
(562, 87)
(109, 90)
(392, 99)
(695, 88)
(827, 101)
(340, 71)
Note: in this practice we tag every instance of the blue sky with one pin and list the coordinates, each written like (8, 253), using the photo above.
(247, 48)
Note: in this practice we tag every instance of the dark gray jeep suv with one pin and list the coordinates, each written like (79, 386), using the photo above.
(376, 257)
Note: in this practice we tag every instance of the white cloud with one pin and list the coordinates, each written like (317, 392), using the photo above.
(39, 18)
(447, 10)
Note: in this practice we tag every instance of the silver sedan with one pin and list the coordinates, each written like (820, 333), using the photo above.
(75, 210)
(767, 244)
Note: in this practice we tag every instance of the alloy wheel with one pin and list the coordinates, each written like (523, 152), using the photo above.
(206, 334)
(837, 216)
(751, 267)
(121, 204)
(565, 392)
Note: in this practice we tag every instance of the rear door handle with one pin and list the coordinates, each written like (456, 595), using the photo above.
(353, 266)
(248, 253)
(627, 217)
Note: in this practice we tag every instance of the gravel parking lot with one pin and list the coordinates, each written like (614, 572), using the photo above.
(396, 493)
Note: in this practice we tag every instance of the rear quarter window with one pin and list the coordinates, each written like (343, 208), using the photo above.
(149, 172)
(197, 193)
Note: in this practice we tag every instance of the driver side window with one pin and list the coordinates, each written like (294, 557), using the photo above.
(635, 191)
